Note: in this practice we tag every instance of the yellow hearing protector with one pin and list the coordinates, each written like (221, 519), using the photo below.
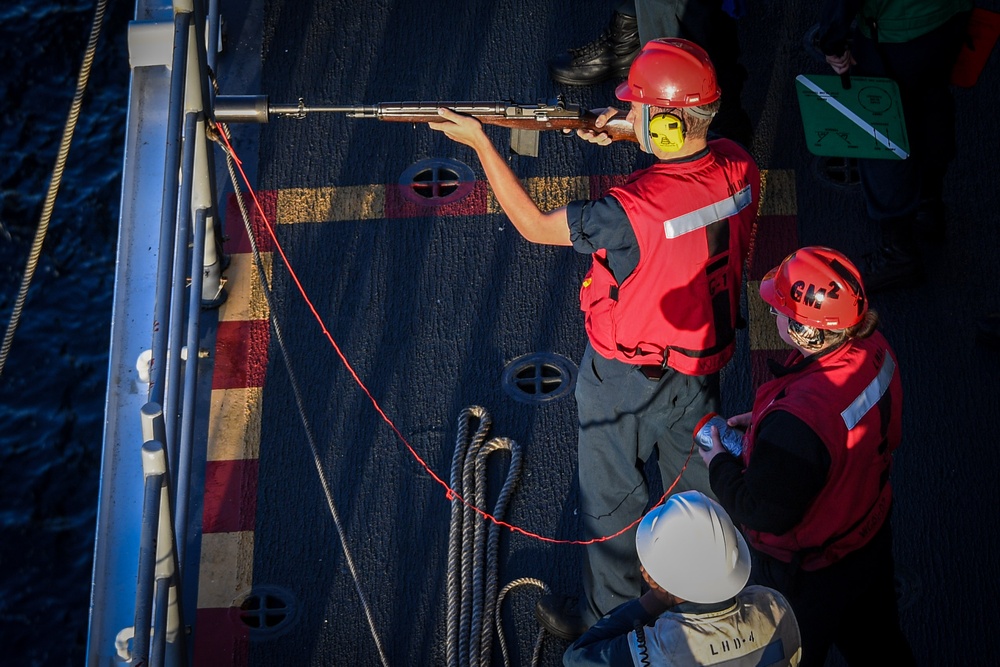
(667, 131)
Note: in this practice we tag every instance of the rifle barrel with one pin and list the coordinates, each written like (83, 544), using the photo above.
(257, 109)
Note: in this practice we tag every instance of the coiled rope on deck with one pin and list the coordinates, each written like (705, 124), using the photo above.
(50, 198)
(472, 554)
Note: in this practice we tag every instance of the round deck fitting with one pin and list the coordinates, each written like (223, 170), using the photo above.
(436, 182)
(539, 377)
(267, 611)
(839, 172)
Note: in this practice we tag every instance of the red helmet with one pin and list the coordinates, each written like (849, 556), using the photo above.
(670, 72)
(816, 286)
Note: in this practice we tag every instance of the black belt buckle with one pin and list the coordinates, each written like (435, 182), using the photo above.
(654, 373)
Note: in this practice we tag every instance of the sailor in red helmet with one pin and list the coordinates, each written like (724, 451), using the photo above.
(812, 489)
(660, 303)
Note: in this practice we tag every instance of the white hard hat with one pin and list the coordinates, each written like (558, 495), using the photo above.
(690, 547)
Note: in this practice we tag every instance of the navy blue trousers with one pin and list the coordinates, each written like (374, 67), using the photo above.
(624, 419)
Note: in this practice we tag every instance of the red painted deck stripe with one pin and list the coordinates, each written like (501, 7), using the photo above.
(241, 354)
(230, 496)
(220, 638)
(398, 206)
(599, 185)
(235, 229)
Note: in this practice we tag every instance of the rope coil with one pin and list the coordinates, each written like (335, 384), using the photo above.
(472, 548)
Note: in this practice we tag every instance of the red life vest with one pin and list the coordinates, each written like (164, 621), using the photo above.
(693, 222)
(853, 399)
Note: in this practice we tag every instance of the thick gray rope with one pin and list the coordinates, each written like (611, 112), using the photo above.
(56, 180)
(473, 545)
(492, 566)
(536, 655)
(470, 527)
(484, 421)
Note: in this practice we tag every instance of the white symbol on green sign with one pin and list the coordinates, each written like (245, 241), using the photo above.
(862, 121)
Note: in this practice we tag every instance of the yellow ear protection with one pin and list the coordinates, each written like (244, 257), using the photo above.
(664, 129)
(667, 131)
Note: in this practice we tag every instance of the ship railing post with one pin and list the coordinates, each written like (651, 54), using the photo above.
(154, 469)
(190, 386)
(158, 617)
(197, 98)
(179, 293)
(168, 212)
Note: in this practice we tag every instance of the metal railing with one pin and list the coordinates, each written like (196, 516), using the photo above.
(188, 247)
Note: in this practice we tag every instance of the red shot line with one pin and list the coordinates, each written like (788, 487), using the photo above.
(450, 493)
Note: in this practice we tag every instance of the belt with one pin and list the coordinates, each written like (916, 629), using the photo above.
(654, 373)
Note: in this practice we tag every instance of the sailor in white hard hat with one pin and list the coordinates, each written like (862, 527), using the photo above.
(698, 609)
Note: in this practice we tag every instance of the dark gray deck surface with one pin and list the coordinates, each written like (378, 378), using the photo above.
(430, 309)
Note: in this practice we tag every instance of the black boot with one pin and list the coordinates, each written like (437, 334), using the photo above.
(897, 262)
(609, 55)
(560, 616)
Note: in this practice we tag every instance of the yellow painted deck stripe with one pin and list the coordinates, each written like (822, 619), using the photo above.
(234, 424)
(225, 574)
(245, 300)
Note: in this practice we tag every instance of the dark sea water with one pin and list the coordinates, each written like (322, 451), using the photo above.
(52, 389)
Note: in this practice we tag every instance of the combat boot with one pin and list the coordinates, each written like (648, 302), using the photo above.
(560, 616)
(897, 261)
(609, 55)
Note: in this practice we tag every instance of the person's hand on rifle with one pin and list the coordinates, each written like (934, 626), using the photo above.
(599, 138)
(463, 129)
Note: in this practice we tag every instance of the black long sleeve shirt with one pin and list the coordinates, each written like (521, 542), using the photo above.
(788, 468)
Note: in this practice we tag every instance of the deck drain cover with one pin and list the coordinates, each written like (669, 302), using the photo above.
(840, 172)
(435, 182)
(267, 611)
(539, 377)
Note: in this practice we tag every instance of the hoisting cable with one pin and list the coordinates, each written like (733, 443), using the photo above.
(54, 182)
(266, 288)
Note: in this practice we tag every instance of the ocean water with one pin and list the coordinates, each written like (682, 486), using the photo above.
(52, 388)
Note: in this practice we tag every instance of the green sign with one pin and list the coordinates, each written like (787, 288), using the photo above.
(862, 120)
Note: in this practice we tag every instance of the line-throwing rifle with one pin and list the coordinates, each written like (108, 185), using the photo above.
(524, 120)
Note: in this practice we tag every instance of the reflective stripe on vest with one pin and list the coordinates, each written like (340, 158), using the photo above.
(867, 399)
(706, 215)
